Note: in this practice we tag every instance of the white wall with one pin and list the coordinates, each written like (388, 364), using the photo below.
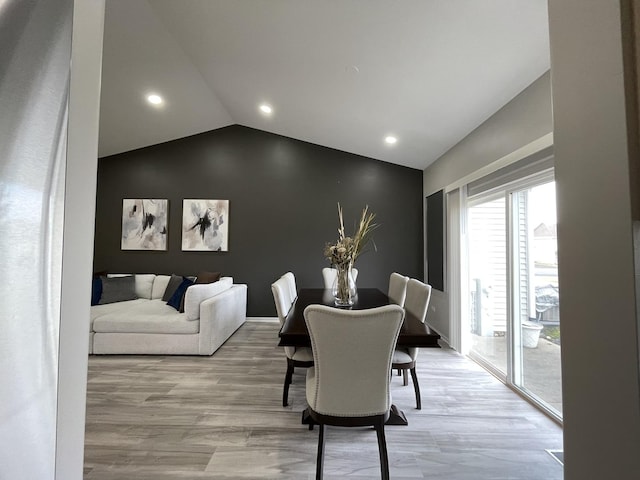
(525, 119)
(600, 374)
(79, 216)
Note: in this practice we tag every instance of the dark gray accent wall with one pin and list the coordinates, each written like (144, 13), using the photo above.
(283, 196)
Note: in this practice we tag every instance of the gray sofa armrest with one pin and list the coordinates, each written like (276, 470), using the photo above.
(220, 316)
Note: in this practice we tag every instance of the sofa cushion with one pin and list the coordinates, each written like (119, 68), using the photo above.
(100, 310)
(144, 285)
(117, 289)
(172, 286)
(196, 294)
(160, 286)
(149, 316)
(143, 281)
(207, 277)
(176, 299)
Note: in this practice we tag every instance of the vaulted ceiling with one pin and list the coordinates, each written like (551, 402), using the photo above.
(340, 73)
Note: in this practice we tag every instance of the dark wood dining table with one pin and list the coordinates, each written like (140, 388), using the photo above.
(413, 333)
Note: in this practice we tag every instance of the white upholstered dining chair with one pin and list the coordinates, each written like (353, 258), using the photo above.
(397, 288)
(397, 292)
(296, 356)
(291, 282)
(348, 385)
(416, 303)
(329, 276)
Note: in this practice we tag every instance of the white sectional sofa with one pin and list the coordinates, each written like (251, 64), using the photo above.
(147, 325)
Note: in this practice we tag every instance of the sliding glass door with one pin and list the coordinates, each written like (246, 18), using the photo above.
(536, 307)
(487, 246)
(512, 277)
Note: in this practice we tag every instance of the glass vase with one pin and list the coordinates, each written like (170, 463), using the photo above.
(344, 287)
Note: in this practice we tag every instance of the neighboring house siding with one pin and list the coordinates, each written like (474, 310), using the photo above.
(524, 255)
(487, 258)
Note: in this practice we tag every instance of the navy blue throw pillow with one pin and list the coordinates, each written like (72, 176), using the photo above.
(96, 291)
(176, 299)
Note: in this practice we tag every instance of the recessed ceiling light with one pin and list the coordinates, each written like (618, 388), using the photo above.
(390, 139)
(266, 109)
(154, 99)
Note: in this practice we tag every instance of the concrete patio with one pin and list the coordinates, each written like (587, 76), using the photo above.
(542, 374)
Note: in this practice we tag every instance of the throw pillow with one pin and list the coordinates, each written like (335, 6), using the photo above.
(208, 277)
(96, 290)
(173, 284)
(176, 299)
(117, 289)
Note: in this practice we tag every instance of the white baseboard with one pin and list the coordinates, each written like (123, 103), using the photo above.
(263, 319)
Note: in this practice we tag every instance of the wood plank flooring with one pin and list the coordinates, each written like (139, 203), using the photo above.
(221, 417)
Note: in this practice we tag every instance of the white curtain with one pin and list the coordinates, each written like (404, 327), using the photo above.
(35, 52)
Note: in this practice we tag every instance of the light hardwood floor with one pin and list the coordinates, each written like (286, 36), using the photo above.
(221, 417)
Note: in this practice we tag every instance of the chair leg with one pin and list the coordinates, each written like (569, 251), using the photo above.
(320, 458)
(382, 449)
(399, 371)
(416, 387)
(405, 377)
(288, 378)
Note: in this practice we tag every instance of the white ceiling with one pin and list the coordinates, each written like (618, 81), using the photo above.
(338, 73)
